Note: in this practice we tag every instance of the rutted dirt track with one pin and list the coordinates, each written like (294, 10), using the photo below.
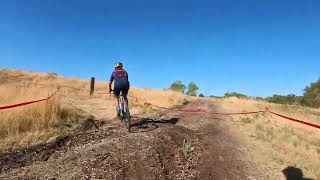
(175, 146)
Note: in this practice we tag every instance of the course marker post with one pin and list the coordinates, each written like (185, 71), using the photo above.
(92, 85)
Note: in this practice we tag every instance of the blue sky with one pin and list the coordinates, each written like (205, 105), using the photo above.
(256, 47)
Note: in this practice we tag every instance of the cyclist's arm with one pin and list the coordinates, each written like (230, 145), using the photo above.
(110, 82)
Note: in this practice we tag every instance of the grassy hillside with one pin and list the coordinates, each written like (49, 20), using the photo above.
(272, 143)
(277, 143)
(38, 122)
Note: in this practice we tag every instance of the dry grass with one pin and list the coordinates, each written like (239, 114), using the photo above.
(38, 122)
(35, 123)
(142, 106)
(158, 97)
(278, 143)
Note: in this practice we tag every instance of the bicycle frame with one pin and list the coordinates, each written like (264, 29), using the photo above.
(124, 112)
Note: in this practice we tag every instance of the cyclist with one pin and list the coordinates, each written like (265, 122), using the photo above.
(121, 83)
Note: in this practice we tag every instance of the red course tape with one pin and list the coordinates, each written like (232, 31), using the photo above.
(21, 104)
(230, 114)
(296, 120)
(27, 103)
(179, 110)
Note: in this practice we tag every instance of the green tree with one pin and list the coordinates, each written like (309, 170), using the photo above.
(192, 89)
(201, 95)
(311, 96)
(178, 86)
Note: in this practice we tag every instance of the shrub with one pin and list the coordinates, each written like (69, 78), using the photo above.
(288, 99)
(178, 86)
(235, 94)
(186, 148)
(192, 89)
(218, 97)
(311, 96)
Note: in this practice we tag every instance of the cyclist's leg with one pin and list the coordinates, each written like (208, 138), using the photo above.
(125, 91)
(116, 93)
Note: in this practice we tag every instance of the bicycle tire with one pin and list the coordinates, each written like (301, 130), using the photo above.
(127, 118)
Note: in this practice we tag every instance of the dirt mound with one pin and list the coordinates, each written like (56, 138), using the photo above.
(177, 146)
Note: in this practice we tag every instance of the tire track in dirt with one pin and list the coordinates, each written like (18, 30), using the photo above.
(176, 146)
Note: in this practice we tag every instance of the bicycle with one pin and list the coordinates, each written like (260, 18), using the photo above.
(124, 113)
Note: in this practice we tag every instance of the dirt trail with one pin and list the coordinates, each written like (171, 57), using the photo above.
(175, 146)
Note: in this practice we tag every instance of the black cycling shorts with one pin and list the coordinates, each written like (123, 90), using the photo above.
(121, 88)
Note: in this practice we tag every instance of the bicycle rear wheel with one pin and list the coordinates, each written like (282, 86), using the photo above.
(127, 117)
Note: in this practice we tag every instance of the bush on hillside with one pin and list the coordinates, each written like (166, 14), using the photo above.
(178, 86)
(218, 97)
(289, 99)
(192, 89)
(311, 96)
(234, 94)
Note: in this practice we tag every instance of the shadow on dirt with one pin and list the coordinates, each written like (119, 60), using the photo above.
(293, 173)
(146, 124)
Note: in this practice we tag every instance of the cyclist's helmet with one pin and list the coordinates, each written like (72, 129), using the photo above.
(118, 65)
